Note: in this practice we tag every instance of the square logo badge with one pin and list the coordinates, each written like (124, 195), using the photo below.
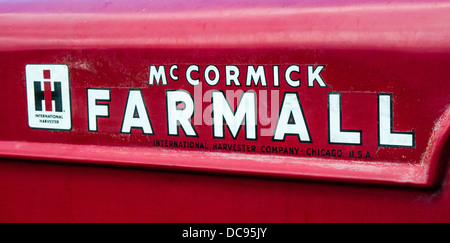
(48, 96)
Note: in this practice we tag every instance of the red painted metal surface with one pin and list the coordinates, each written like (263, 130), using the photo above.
(368, 49)
(49, 192)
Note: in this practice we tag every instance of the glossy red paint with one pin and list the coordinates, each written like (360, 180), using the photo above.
(52, 192)
(372, 47)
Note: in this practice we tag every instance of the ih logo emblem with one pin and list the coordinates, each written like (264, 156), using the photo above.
(48, 96)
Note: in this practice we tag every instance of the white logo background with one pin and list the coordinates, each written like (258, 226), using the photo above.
(41, 114)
